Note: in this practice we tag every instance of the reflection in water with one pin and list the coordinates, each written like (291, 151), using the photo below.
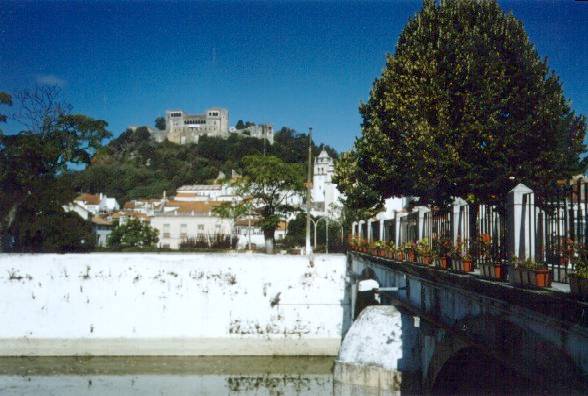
(166, 376)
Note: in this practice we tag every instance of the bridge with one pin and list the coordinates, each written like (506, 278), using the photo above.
(462, 333)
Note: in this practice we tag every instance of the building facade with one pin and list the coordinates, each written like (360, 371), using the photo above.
(325, 195)
(185, 128)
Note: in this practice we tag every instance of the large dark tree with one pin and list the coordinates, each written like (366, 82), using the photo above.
(33, 164)
(464, 107)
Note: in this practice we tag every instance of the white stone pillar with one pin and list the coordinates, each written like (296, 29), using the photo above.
(521, 222)
(421, 222)
(458, 219)
(369, 231)
(397, 229)
(381, 230)
(353, 225)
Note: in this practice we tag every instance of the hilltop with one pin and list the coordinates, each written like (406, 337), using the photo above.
(134, 165)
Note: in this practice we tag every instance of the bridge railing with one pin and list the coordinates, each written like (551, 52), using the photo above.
(551, 234)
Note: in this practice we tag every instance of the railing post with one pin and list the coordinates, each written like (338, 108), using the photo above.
(457, 219)
(421, 222)
(397, 229)
(520, 208)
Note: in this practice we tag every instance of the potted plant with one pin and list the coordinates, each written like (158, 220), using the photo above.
(579, 279)
(490, 267)
(400, 252)
(363, 245)
(424, 251)
(456, 256)
(378, 248)
(410, 251)
(354, 243)
(467, 262)
(530, 273)
(442, 249)
(391, 250)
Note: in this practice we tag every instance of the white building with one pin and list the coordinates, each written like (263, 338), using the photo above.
(325, 195)
(95, 208)
(205, 192)
(189, 220)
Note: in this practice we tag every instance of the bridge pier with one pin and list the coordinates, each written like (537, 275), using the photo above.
(448, 323)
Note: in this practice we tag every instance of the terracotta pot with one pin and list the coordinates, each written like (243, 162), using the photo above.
(411, 257)
(496, 271)
(444, 263)
(538, 277)
(426, 260)
(467, 266)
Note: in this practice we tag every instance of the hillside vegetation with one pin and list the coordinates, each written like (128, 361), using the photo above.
(135, 166)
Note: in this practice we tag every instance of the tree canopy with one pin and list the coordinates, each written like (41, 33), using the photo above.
(132, 234)
(464, 107)
(270, 184)
(34, 161)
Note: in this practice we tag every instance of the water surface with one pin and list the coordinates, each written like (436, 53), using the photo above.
(166, 376)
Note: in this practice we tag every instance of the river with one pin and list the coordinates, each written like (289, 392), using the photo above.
(145, 376)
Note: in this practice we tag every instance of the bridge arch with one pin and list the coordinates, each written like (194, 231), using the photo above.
(491, 354)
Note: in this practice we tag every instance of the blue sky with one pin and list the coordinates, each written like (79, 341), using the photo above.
(295, 64)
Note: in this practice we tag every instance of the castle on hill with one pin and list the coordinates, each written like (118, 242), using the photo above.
(182, 128)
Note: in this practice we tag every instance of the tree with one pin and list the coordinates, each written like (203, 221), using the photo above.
(5, 99)
(270, 184)
(240, 124)
(463, 107)
(160, 123)
(34, 161)
(232, 211)
(133, 234)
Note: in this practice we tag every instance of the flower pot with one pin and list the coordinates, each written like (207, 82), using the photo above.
(492, 270)
(578, 286)
(515, 276)
(538, 277)
(467, 265)
(443, 263)
(426, 260)
(457, 264)
(411, 257)
(496, 271)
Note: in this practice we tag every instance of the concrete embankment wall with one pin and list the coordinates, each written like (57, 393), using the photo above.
(171, 304)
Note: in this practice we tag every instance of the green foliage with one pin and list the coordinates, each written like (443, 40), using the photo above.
(135, 166)
(464, 107)
(34, 164)
(5, 99)
(160, 123)
(133, 233)
(269, 183)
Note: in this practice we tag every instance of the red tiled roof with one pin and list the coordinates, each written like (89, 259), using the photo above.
(92, 199)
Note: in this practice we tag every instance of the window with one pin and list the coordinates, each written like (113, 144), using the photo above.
(166, 230)
(200, 227)
(183, 231)
(175, 114)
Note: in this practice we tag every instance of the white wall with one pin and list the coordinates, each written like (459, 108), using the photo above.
(171, 304)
